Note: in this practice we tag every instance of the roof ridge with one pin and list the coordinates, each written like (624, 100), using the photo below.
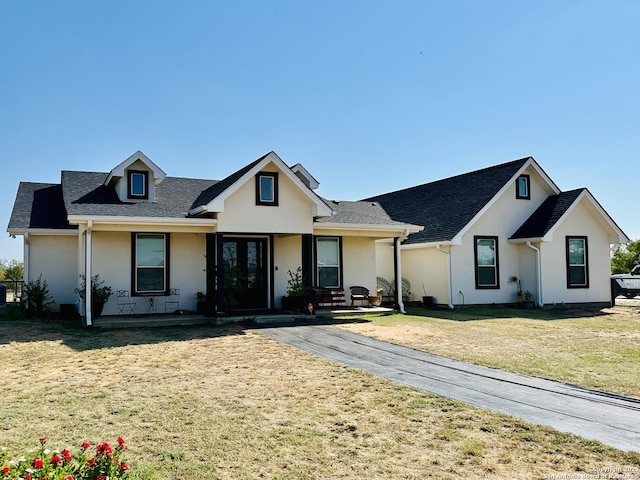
(454, 177)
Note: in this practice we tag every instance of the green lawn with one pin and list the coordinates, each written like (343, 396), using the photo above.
(227, 402)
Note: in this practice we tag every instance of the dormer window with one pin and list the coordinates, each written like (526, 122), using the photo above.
(522, 187)
(267, 188)
(138, 182)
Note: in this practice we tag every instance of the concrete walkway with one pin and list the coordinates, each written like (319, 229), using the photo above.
(609, 418)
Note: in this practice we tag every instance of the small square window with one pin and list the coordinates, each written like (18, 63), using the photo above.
(522, 187)
(138, 185)
(267, 188)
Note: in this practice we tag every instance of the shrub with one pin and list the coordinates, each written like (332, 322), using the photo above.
(36, 300)
(99, 292)
(101, 462)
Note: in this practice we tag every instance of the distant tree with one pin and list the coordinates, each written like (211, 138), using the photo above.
(625, 257)
(13, 270)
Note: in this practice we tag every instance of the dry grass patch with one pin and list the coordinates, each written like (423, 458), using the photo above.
(214, 402)
(597, 349)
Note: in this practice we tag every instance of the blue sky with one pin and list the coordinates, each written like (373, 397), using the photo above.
(370, 96)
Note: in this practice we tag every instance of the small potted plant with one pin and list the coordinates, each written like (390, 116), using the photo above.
(528, 299)
(99, 293)
(376, 300)
(295, 299)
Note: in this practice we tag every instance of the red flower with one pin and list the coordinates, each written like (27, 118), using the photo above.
(104, 448)
(43, 439)
(56, 459)
(121, 443)
(124, 466)
(91, 462)
(85, 445)
(28, 476)
(5, 470)
(37, 463)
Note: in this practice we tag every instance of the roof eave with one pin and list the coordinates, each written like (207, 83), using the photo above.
(168, 221)
(402, 229)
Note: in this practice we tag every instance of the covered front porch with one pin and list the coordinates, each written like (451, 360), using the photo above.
(192, 318)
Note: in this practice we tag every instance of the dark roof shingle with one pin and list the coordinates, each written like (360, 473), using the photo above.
(445, 207)
(38, 205)
(547, 215)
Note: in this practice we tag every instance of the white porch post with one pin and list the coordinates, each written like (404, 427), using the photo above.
(25, 273)
(80, 265)
(398, 264)
(87, 276)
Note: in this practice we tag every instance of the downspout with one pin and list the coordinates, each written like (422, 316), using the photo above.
(538, 274)
(87, 276)
(449, 284)
(398, 264)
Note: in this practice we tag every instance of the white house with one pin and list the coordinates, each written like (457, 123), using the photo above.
(492, 231)
(234, 240)
(461, 240)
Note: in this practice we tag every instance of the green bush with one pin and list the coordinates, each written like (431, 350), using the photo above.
(625, 257)
(36, 300)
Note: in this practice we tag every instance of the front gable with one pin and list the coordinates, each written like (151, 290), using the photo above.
(262, 195)
(512, 204)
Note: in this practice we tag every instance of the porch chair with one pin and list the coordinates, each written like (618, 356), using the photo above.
(125, 305)
(172, 299)
(359, 294)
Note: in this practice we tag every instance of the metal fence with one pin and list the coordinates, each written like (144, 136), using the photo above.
(11, 291)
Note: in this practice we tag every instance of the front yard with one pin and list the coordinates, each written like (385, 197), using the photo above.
(226, 402)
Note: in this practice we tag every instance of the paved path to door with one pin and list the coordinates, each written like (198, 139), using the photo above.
(611, 419)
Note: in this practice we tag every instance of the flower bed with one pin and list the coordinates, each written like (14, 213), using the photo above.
(101, 462)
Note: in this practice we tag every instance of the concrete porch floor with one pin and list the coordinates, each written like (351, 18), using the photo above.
(191, 318)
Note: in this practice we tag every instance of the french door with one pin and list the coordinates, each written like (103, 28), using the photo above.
(245, 273)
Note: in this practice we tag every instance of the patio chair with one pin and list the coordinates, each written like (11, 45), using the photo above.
(172, 300)
(359, 294)
(125, 305)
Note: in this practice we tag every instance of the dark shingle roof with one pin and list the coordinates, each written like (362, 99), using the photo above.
(547, 215)
(38, 205)
(446, 206)
(364, 213)
(212, 192)
(85, 194)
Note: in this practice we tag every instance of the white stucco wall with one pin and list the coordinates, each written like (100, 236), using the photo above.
(580, 222)
(293, 214)
(426, 270)
(55, 258)
(287, 257)
(112, 260)
(359, 263)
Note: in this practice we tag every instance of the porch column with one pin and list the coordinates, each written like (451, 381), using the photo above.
(210, 262)
(219, 273)
(80, 265)
(307, 259)
(87, 276)
(397, 268)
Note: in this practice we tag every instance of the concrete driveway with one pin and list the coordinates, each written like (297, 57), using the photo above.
(609, 418)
